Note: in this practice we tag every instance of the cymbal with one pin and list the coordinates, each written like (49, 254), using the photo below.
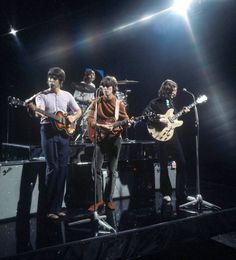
(126, 81)
(83, 87)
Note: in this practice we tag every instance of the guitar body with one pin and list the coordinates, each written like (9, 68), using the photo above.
(166, 132)
(104, 134)
(62, 124)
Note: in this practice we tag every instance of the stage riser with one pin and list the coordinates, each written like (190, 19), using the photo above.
(141, 242)
(133, 178)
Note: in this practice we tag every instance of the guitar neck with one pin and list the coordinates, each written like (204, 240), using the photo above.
(120, 123)
(180, 113)
(17, 102)
(45, 113)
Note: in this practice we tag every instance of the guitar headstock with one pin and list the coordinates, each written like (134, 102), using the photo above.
(201, 99)
(15, 102)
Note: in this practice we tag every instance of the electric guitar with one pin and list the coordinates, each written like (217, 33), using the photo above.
(102, 133)
(163, 132)
(58, 119)
(115, 130)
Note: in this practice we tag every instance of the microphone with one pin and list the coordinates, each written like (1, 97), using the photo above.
(100, 87)
(35, 95)
(28, 100)
(189, 92)
(128, 90)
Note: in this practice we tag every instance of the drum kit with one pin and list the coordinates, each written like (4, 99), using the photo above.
(85, 89)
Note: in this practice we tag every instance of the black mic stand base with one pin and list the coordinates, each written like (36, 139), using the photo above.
(199, 204)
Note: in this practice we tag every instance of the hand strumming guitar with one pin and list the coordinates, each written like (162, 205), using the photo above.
(72, 118)
(163, 119)
(107, 127)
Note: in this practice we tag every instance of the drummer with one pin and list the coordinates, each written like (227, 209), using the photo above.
(84, 93)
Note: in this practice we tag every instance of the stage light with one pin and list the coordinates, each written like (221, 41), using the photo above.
(181, 6)
(145, 18)
(13, 31)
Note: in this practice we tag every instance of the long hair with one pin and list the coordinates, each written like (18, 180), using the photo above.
(167, 87)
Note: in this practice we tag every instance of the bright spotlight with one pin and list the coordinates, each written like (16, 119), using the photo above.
(13, 31)
(181, 6)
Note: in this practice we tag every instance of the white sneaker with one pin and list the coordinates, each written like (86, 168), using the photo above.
(167, 198)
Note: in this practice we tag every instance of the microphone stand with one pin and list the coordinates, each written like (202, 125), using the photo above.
(198, 200)
(126, 139)
(8, 123)
(99, 219)
(96, 217)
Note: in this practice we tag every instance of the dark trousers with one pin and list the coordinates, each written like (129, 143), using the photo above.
(56, 150)
(111, 149)
(172, 150)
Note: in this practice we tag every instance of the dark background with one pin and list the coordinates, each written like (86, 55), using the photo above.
(76, 35)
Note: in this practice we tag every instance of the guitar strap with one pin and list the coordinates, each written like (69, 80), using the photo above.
(117, 109)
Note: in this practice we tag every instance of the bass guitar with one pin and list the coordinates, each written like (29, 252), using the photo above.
(58, 119)
(164, 132)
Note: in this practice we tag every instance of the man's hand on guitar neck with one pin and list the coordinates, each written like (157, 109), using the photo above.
(185, 110)
(31, 109)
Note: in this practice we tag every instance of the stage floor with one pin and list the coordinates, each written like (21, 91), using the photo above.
(143, 225)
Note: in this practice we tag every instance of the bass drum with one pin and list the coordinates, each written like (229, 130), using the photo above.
(121, 96)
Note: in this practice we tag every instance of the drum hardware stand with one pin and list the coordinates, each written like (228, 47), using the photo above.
(198, 200)
(83, 127)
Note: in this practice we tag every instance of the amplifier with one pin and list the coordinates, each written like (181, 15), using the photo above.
(80, 185)
(18, 152)
(171, 172)
(14, 180)
(124, 183)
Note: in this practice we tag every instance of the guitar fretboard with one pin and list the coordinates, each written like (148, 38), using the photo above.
(56, 118)
(180, 113)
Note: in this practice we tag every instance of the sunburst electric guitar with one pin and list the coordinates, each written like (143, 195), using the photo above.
(58, 119)
(164, 132)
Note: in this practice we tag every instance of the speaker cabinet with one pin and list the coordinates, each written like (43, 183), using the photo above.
(124, 183)
(80, 185)
(171, 172)
(17, 184)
